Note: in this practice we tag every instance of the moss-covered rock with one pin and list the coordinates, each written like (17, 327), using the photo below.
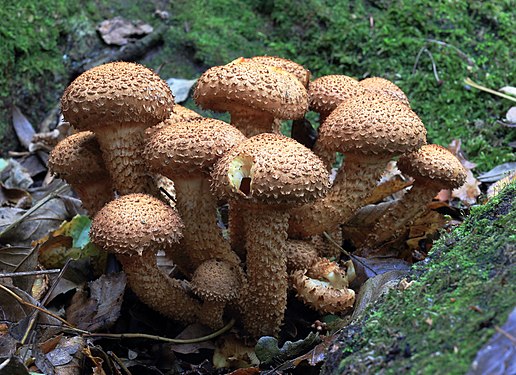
(459, 295)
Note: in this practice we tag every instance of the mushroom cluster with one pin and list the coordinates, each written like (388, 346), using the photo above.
(280, 198)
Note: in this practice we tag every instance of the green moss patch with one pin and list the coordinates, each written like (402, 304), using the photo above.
(459, 295)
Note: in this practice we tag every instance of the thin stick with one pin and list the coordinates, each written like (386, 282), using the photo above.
(45, 311)
(119, 362)
(224, 329)
(434, 67)
(469, 82)
(329, 238)
(506, 334)
(468, 59)
(29, 273)
(30, 211)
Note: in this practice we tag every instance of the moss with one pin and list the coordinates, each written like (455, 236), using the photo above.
(458, 296)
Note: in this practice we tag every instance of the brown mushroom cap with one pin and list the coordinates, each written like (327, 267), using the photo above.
(327, 92)
(385, 86)
(302, 74)
(270, 169)
(372, 124)
(434, 163)
(246, 84)
(116, 93)
(179, 114)
(190, 146)
(135, 223)
(77, 158)
(216, 280)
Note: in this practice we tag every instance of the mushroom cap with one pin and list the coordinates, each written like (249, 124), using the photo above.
(78, 158)
(116, 93)
(436, 164)
(247, 84)
(217, 280)
(270, 169)
(302, 74)
(372, 124)
(385, 86)
(327, 92)
(190, 146)
(135, 223)
(179, 114)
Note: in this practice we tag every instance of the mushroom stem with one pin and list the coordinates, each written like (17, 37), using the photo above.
(202, 238)
(160, 292)
(94, 195)
(212, 313)
(391, 223)
(266, 297)
(121, 150)
(354, 181)
(252, 121)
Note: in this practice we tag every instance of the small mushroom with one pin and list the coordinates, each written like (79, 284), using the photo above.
(386, 87)
(369, 129)
(324, 287)
(134, 227)
(217, 283)
(118, 101)
(263, 177)
(77, 160)
(254, 94)
(324, 95)
(185, 152)
(433, 168)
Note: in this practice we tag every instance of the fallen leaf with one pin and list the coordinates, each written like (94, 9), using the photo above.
(231, 352)
(498, 186)
(510, 116)
(22, 127)
(468, 192)
(497, 355)
(14, 197)
(190, 332)
(48, 140)
(119, 31)
(268, 351)
(180, 88)
(15, 176)
(498, 172)
(508, 90)
(101, 308)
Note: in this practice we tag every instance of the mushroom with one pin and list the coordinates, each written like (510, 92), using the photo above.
(300, 255)
(117, 101)
(369, 129)
(134, 227)
(324, 95)
(301, 73)
(384, 86)
(179, 114)
(254, 94)
(433, 168)
(77, 160)
(263, 177)
(217, 283)
(185, 152)
(324, 287)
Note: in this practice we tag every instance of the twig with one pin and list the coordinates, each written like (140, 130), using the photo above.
(169, 196)
(29, 273)
(119, 362)
(506, 334)
(35, 314)
(469, 82)
(465, 57)
(224, 329)
(43, 310)
(347, 253)
(434, 67)
(30, 211)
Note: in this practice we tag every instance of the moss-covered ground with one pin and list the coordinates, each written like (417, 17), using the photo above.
(459, 294)
(41, 40)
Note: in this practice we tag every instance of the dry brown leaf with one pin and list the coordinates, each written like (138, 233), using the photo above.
(190, 332)
(498, 186)
(231, 352)
(119, 31)
(22, 127)
(469, 192)
(101, 308)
